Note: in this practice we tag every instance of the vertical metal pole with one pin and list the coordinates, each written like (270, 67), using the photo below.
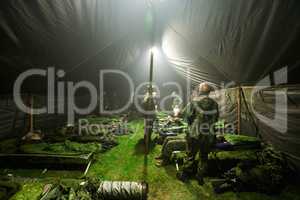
(26, 115)
(151, 69)
(239, 110)
(14, 121)
(150, 90)
(31, 114)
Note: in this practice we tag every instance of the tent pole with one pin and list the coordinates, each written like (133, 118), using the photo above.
(248, 110)
(238, 109)
(151, 68)
(26, 115)
(31, 114)
(150, 90)
(14, 121)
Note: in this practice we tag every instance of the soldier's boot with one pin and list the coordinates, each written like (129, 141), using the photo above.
(225, 187)
(182, 176)
(200, 179)
(187, 170)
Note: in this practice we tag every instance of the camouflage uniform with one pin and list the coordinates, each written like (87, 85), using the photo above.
(200, 115)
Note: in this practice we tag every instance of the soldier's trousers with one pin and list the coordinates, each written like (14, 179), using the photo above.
(191, 165)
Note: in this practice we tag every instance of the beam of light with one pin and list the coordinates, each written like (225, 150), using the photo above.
(199, 73)
(168, 48)
(193, 68)
(193, 77)
(174, 47)
(174, 53)
(194, 73)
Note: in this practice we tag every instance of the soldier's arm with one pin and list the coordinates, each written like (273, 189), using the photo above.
(183, 111)
(217, 112)
(192, 113)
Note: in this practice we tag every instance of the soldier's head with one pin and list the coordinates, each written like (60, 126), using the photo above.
(204, 88)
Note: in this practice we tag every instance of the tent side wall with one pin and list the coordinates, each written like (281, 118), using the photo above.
(276, 112)
(14, 122)
(270, 113)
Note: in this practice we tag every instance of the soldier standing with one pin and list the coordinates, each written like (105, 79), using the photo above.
(201, 114)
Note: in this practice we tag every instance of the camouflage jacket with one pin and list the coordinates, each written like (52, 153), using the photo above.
(201, 115)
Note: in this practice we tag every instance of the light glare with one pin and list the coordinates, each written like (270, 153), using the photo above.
(153, 50)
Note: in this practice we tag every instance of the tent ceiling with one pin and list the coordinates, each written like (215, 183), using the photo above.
(227, 40)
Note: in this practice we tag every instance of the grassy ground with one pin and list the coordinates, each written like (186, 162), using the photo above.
(127, 162)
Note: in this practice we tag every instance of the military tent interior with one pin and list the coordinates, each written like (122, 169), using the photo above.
(78, 77)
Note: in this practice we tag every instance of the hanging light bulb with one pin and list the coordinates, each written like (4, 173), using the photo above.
(153, 50)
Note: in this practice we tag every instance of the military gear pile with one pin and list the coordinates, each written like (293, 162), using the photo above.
(67, 147)
(268, 175)
(166, 126)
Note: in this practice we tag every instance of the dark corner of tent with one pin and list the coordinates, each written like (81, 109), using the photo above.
(149, 99)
